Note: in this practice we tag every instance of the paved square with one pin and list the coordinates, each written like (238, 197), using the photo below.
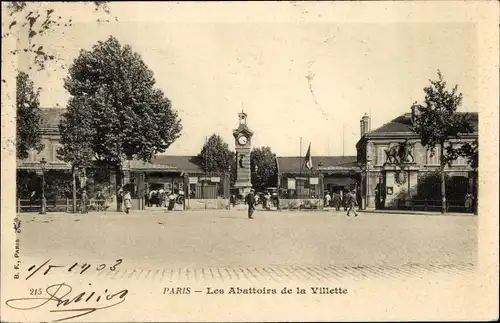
(215, 243)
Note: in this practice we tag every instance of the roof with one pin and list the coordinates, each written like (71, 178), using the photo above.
(51, 117)
(293, 164)
(403, 123)
(169, 163)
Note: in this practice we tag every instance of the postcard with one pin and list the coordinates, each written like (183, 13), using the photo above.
(249, 161)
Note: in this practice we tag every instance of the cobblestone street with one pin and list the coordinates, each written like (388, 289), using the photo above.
(277, 246)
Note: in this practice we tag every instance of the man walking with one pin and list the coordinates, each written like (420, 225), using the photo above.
(351, 202)
(336, 201)
(469, 199)
(250, 200)
(328, 198)
(85, 201)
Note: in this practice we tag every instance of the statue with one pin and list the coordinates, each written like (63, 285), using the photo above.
(392, 154)
(399, 153)
(406, 150)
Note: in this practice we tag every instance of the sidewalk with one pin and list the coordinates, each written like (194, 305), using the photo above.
(404, 212)
(161, 211)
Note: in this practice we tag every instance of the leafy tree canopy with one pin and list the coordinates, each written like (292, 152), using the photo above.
(126, 115)
(437, 120)
(76, 129)
(28, 117)
(437, 123)
(215, 155)
(265, 161)
(470, 150)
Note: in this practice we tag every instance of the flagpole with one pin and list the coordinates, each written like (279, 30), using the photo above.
(310, 169)
(203, 183)
(343, 141)
(301, 163)
(300, 156)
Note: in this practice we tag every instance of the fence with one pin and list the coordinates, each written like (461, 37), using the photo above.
(205, 191)
(432, 205)
(60, 205)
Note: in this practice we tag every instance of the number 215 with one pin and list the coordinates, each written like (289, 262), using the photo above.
(35, 291)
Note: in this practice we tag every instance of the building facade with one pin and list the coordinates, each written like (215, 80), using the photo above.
(415, 183)
(329, 173)
(182, 173)
(170, 173)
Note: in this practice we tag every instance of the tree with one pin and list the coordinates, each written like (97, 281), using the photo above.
(28, 117)
(215, 156)
(129, 117)
(266, 174)
(437, 122)
(470, 150)
(76, 129)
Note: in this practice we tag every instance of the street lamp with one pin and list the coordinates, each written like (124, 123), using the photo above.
(44, 202)
(364, 184)
(368, 191)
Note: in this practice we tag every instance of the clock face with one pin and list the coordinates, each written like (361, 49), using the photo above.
(242, 140)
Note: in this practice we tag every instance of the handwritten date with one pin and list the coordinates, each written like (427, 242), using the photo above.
(82, 268)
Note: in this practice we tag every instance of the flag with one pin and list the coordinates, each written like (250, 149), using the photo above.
(307, 160)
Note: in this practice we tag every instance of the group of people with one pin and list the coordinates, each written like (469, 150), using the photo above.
(348, 201)
(159, 198)
(100, 201)
(125, 199)
(342, 199)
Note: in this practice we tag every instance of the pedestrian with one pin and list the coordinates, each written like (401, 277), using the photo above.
(127, 200)
(351, 202)
(85, 200)
(276, 200)
(250, 201)
(119, 199)
(337, 201)
(161, 197)
(100, 200)
(267, 201)
(345, 198)
(469, 199)
(146, 196)
(171, 201)
(328, 199)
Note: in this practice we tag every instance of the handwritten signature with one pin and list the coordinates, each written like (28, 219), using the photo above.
(59, 295)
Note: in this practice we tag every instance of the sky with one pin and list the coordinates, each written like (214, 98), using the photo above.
(296, 74)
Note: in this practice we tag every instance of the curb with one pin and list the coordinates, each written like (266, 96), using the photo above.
(397, 212)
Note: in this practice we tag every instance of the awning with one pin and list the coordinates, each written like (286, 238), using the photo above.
(339, 181)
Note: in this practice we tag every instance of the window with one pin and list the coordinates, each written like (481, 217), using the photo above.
(381, 157)
(55, 147)
(32, 155)
(434, 160)
(460, 161)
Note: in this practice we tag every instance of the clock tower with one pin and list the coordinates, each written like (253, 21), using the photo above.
(243, 142)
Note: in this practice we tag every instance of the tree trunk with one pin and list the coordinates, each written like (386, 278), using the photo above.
(118, 187)
(443, 182)
(73, 171)
(476, 184)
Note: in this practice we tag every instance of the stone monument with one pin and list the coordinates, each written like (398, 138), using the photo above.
(243, 142)
(400, 173)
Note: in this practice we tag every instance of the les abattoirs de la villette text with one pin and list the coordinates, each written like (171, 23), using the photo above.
(256, 291)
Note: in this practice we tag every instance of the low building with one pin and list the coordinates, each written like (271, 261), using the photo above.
(329, 173)
(415, 183)
(171, 173)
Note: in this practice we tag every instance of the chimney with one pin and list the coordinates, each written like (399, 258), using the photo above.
(365, 125)
(414, 114)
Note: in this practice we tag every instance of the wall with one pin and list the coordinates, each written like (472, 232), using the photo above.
(209, 204)
(294, 204)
